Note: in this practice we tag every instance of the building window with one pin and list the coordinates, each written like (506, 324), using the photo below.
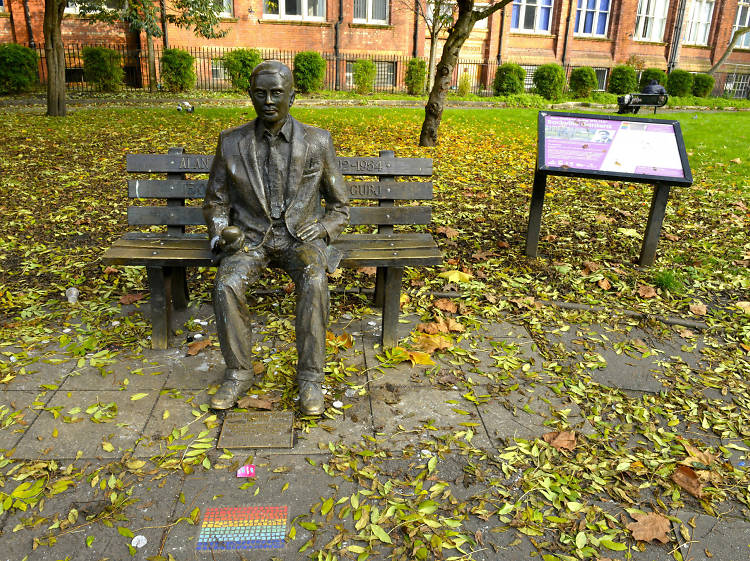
(650, 21)
(532, 16)
(528, 80)
(601, 78)
(480, 23)
(370, 11)
(294, 9)
(737, 85)
(698, 23)
(218, 71)
(2, 5)
(385, 76)
(743, 20)
(73, 8)
(227, 9)
(592, 18)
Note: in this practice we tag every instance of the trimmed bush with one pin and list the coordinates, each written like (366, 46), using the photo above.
(464, 84)
(309, 71)
(652, 74)
(583, 81)
(416, 76)
(177, 71)
(101, 67)
(549, 80)
(703, 84)
(363, 73)
(239, 64)
(622, 80)
(679, 83)
(509, 79)
(18, 65)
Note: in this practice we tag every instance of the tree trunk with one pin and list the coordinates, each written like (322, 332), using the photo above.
(163, 10)
(434, 108)
(737, 34)
(151, 62)
(55, 56)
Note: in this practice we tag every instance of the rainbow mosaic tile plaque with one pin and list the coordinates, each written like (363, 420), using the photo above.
(242, 527)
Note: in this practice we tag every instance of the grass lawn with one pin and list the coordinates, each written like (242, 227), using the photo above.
(64, 201)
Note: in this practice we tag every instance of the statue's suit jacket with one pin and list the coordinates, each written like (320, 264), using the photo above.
(236, 195)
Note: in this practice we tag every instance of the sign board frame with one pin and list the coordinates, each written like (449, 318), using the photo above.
(662, 183)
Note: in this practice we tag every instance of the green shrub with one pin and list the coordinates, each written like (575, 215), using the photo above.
(416, 76)
(549, 80)
(509, 79)
(622, 80)
(177, 71)
(524, 100)
(101, 67)
(309, 71)
(667, 279)
(239, 64)
(464, 84)
(703, 84)
(604, 98)
(679, 83)
(363, 73)
(18, 66)
(652, 74)
(583, 81)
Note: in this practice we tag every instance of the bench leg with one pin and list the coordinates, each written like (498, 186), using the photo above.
(377, 297)
(180, 294)
(160, 285)
(391, 305)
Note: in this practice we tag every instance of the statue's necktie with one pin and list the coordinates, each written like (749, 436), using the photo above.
(273, 177)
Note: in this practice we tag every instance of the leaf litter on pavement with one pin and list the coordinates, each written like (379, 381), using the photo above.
(556, 490)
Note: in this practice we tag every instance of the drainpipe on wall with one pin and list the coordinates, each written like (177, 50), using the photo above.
(337, 43)
(12, 24)
(32, 43)
(567, 34)
(416, 30)
(500, 37)
(163, 9)
(674, 47)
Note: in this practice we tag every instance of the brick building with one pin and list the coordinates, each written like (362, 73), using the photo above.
(690, 34)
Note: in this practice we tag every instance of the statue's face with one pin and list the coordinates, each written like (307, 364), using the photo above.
(272, 97)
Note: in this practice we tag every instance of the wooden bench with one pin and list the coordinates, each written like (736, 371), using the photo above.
(167, 254)
(630, 103)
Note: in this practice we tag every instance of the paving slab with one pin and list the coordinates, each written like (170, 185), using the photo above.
(306, 486)
(22, 406)
(48, 369)
(86, 435)
(529, 412)
(400, 414)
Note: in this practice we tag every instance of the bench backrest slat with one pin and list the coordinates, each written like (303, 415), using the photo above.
(201, 163)
(358, 215)
(358, 190)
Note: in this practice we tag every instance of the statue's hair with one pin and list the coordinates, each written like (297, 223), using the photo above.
(272, 67)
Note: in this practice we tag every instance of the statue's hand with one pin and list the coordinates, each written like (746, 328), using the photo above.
(231, 240)
(311, 231)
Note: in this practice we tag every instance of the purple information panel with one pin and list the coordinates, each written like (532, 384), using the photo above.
(603, 146)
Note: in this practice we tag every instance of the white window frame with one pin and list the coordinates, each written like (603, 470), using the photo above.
(481, 24)
(2, 6)
(522, 5)
(580, 17)
(227, 9)
(283, 16)
(743, 9)
(71, 8)
(369, 18)
(697, 23)
(651, 20)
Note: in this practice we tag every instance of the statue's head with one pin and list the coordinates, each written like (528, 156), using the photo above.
(272, 91)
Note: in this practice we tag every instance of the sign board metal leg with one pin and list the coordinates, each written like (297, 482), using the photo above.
(653, 227)
(535, 213)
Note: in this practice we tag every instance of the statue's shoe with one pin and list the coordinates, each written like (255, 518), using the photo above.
(229, 392)
(311, 400)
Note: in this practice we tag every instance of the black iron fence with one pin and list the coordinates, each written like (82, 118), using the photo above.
(469, 75)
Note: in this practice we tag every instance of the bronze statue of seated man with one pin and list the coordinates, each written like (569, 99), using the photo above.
(263, 208)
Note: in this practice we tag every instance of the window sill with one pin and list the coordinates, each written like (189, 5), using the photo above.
(371, 25)
(690, 46)
(591, 38)
(228, 19)
(295, 22)
(532, 34)
(647, 42)
(4, 14)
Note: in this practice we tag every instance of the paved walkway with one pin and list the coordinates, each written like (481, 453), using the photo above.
(119, 433)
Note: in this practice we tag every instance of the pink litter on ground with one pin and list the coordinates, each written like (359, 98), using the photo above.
(246, 471)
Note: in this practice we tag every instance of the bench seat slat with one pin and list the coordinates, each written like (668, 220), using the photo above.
(201, 163)
(358, 190)
(191, 216)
